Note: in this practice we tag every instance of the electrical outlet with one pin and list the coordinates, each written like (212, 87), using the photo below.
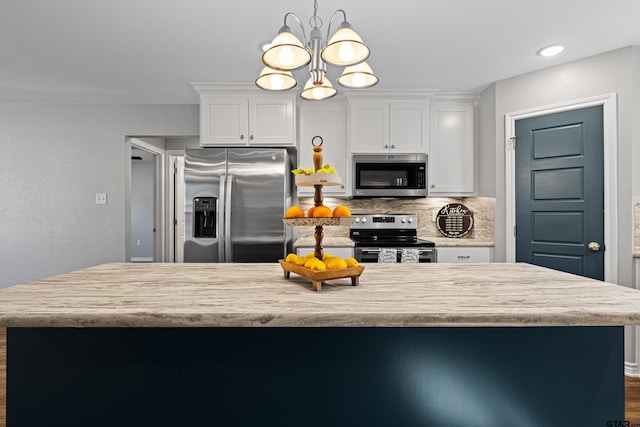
(101, 198)
(138, 242)
(434, 216)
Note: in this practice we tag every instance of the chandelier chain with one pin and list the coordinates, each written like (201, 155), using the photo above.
(315, 21)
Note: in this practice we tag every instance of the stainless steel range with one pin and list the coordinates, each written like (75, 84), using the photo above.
(390, 238)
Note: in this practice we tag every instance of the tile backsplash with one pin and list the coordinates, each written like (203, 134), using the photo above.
(426, 209)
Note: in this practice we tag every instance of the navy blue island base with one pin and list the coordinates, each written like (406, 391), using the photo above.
(264, 376)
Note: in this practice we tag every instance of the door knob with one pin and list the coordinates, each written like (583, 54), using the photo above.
(594, 246)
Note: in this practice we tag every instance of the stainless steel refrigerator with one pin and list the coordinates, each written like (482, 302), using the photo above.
(235, 199)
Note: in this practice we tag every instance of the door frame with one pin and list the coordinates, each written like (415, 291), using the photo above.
(610, 158)
(159, 252)
(175, 205)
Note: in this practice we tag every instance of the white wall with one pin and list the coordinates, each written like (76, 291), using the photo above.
(55, 157)
(142, 204)
(487, 158)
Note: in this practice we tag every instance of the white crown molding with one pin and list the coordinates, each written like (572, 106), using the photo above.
(386, 94)
(471, 97)
(349, 94)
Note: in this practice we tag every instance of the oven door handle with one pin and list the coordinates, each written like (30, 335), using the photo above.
(370, 251)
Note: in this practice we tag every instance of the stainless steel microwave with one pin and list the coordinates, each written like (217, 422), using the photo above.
(389, 175)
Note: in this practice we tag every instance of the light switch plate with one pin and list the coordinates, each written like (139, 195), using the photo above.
(101, 198)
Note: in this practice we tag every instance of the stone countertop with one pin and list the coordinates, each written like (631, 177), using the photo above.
(242, 295)
(345, 242)
(448, 242)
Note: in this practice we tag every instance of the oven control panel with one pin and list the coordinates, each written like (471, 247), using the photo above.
(385, 221)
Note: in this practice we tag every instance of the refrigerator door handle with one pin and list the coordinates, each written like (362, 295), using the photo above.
(227, 219)
(222, 207)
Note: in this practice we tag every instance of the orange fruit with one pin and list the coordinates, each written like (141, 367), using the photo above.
(294, 212)
(322, 212)
(336, 263)
(351, 262)
(342, 211)
(310, 212)
(292, 258)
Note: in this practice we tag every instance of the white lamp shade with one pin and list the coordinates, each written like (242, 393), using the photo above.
(271, 79)
(286, 53)
(345, 48)
(358, 76)
(318, 91)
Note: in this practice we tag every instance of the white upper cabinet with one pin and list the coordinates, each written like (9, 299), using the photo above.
(260, 119)
(452, 149)
(389, 127)
(327, 120)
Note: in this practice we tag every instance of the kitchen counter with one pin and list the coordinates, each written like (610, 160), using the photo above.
(327, 242)
(448, 242)
(241, 295)
(237, 344)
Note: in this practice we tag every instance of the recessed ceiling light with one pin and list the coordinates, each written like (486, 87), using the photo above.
(552, 50)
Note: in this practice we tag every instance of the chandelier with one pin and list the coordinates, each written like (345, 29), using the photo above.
(287, 53)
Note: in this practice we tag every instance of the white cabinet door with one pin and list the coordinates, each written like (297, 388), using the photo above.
(243, 120)
(223, 120)
(408, 127)
(369, 127)
(271, 120)
(327, 121)
(389, 127)
(465, 254)
(452, 150)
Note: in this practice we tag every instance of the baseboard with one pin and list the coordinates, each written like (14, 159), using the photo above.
(631, 370)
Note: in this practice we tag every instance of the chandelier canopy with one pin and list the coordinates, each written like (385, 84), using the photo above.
(287, 53)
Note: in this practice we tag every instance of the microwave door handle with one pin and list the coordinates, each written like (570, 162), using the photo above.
(227, 219)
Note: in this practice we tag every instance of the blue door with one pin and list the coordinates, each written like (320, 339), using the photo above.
(560, 191)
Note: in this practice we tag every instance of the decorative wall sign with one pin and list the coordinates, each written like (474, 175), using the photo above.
(454, 220)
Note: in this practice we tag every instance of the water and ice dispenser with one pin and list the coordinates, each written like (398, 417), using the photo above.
(204, 211)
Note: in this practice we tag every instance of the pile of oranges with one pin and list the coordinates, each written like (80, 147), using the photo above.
(318, 212)
(328, 262)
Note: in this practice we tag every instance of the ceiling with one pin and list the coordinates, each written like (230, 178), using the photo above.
(149, 51)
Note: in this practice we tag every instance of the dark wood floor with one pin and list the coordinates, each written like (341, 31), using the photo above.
(632, 400)
(632, 389)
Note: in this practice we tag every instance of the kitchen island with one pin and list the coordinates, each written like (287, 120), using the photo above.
(238, 344)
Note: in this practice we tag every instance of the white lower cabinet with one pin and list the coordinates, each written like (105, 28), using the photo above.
(465, 254)
(339, 251)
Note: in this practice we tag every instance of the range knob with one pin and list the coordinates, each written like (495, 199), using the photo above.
(364, 220)
(410, 220)
(357, 220)
(403, 220)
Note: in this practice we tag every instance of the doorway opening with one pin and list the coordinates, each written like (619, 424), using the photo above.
(152, 197)
(143, 201)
